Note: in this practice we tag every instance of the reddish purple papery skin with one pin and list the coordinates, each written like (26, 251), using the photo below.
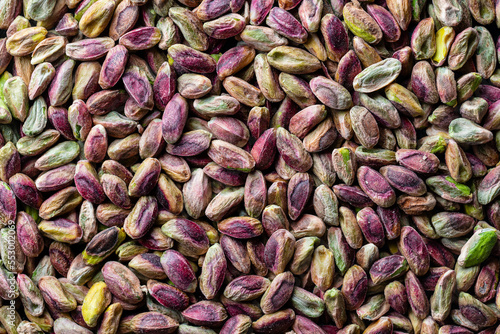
(179, 270)
(397, 299)
(273, 219)
(423, 83)
(236, 252)
(5, 56)
(25, 189)
(331, 93)
(114, 167)
(460, 223)
(300, 189)
(156, 240)
(206, 313)
(89, 49)
(349, 66)
(191, 59)
(246, 288)
(230, 156)
(87, 182)
(440, 256)
(418, 161)
(277, 251)
(355, 287)
(168, 296)
(386, 22)
(56, 179)
(104, 101)
(235, 308)
(241, 227)
(371, 226)
(259, 10)
(493, 213)
(292, 151)
(279, 293)
(391, 219)
(209, 10)
(255, 251)
(413, 248)
(303, 325)
(141, 38)
(487, 280)
(352, 195)
(417, 298)
(96, 144)
(212, 162)
(490, 180)
(61, 257)
(153, 322)
(191, 144)
(199, 161)
(226, 176)
(164, 86)
(473, 314)
(11, 163)
(138, 87)
(258, 121)
(286, 24)
(129, 288)
(57, 91)
(336, 38)
(490, 93)
(30, 239)
(189, 232)
(305, 120)
(330, 329)
(145, 178)
(237, 324)
(236, 5)
(67, 26)
(452, 329)
(478, 167)
(230, 130)
(376, 187)
(277, 322)
(66, 227)
(224, 29)
(113, 66)
(142, 217)
(116, 190)
(174, 118)
(387, 268)
(404, 180)
(233, 60)
(430, 280)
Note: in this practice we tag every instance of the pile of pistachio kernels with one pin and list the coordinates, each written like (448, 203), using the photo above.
(249, 166)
